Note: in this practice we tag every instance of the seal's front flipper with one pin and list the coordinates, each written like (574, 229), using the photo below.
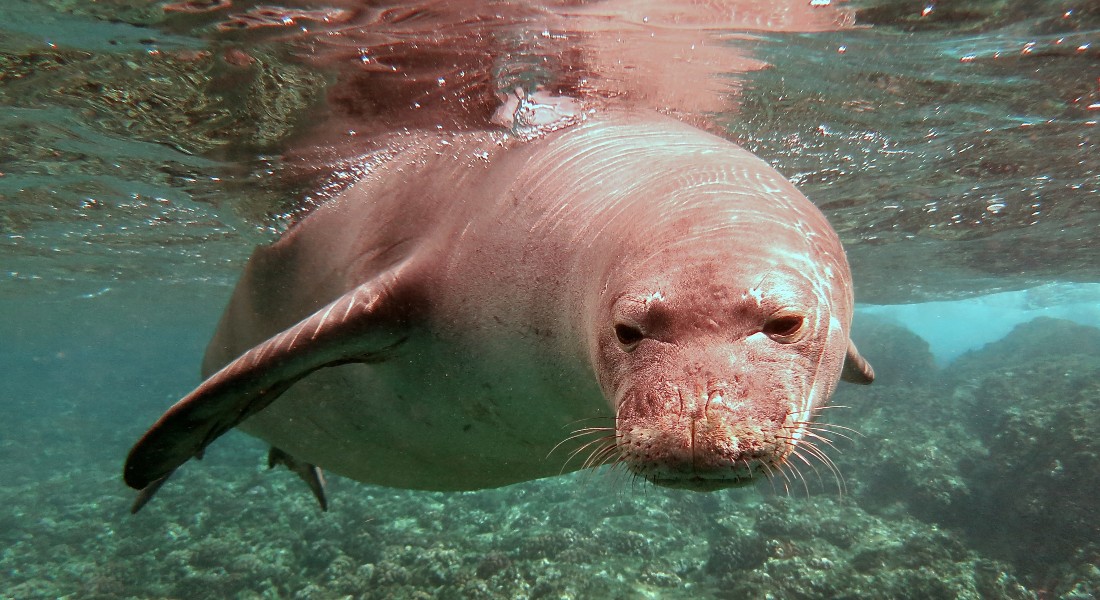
(310, 474)
(856, 368)
(363, 325)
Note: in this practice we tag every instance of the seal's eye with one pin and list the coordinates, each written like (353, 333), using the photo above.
(628, 335)
(783, 327)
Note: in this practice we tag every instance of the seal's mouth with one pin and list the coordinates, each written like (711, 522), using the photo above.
(703, 441)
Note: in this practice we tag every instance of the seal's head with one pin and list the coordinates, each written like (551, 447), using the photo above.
(716, 374)
(715, 299)
(722, 334)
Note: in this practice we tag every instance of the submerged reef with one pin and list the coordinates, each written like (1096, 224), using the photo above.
(1002, 447)
(977, 481)
(833, 549)
(260, 536)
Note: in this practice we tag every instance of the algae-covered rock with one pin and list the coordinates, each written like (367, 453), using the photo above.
(1034, 402)
(1004, 448)
(833, 549)
(1038, 340)
(911, 451)
(907, 434)
(736, 546)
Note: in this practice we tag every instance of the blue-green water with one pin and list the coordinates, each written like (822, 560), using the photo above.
(955, 155)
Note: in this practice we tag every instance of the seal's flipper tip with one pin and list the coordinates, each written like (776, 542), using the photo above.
(194, 422)
(350, 329)
(308, 473)
(856, 368)
(146, 493)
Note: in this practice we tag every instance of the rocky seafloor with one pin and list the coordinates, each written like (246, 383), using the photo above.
(976, 481)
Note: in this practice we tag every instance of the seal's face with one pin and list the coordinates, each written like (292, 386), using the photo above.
(715, 376)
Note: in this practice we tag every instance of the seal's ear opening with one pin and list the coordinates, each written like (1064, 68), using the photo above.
(856, 368)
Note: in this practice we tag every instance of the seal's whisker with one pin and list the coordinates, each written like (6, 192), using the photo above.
(613, 478)
(783, 472)
(825, 425)
(787, 465)
(816, 435)
(615, 466)
(599, 455)
(820, 455)
(584, 465)
(817, 472)
(816, 409)
(795, 452)
(771, 470)
(611, 457)
(584, 431)
(595, 418)
(767, 470)
(590, 467)
(810, 435)
(586, 477)
(646, 482)
(833, 427)
(817, 431)
(594, 448)
(813, 450)
(769, 475)
(812, 438)
(617, 471)
(578, 433)
(579, 449)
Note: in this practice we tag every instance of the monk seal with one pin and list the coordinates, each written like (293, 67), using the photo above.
(445, 322)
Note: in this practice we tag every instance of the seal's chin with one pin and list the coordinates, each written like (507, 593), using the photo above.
(702, 479)
(699, 484)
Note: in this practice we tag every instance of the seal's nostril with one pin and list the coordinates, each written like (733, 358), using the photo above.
(713, 399)
(628, 335)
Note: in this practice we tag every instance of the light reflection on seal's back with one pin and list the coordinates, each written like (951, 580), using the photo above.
(587, 263)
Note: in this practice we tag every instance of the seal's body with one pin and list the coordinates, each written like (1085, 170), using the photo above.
(454, 316)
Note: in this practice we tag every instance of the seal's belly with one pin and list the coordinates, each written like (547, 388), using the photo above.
(436, 417)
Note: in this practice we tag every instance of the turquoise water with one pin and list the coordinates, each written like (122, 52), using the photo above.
(955, 154)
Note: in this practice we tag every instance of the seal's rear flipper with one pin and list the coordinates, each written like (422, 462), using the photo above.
(310, 474)
(363, 325)
(146, 493)
(856, 368)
